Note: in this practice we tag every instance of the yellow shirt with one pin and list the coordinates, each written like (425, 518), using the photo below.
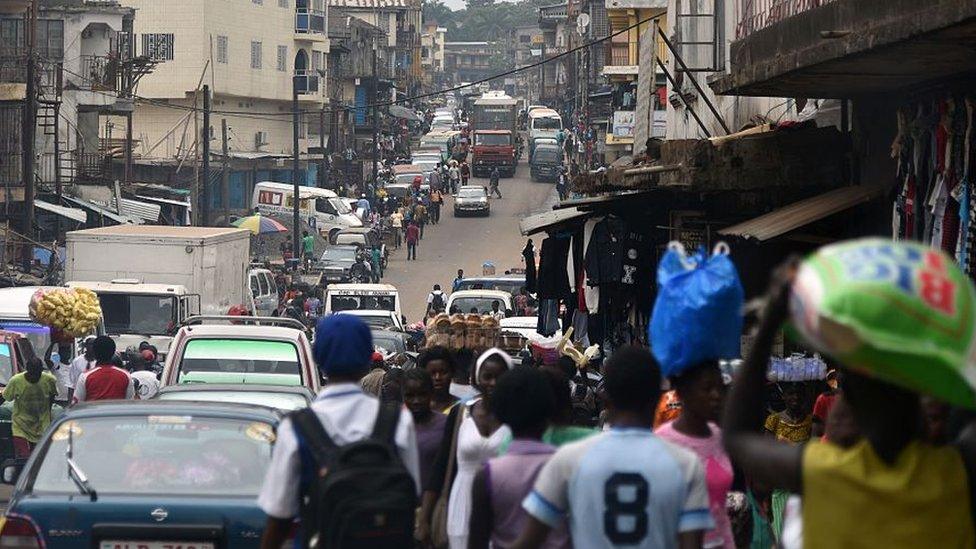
(852, 499)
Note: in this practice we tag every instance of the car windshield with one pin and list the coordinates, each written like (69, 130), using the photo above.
(472, 193)
(492, 139)
(281, 401)
(158, 455)
(339, 254)
(138, 314)
(340, 206)
(512, 286)
(237, 356)
(362, 303)
(39, 336)
(547, 155)
(547, 124)
(377, 321)
(482, 304)
(390, 344)
(350, 238)
(6, 363)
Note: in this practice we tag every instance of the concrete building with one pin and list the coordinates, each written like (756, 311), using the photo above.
(432, 54)
(468, 61)
(558, 78)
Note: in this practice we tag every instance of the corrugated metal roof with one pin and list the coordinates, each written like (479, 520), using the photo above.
(146, 211)
(368, 4)
(74, 214)
(542, 221)
(804, 212)
(103, 211)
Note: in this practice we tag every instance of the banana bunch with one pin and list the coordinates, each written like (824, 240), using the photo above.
(74, 311)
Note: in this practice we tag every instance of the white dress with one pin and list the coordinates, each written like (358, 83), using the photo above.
(473, 450)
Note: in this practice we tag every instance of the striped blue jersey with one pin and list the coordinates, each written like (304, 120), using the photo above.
(624, 487)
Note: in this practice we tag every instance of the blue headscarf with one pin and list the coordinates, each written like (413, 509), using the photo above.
(343, 345)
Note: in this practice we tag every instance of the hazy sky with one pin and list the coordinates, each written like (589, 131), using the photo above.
(454, 4)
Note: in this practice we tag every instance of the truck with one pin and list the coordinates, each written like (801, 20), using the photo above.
(322, 209)
(542, 124)
(494, 132)
(546, 162)
(149, 279)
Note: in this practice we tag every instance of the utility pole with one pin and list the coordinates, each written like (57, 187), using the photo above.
(322, 163)
(224, 174)
(205, 175)
(28, 126)
(542, 72)
(375, 130)
(296, 199)
(127, 86)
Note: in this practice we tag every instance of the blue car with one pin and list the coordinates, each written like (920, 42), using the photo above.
(144, 475)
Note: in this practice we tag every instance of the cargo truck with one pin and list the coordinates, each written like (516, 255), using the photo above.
(151, 278)
(493, 131)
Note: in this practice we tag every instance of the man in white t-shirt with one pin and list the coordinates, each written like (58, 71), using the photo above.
(147, 386)
(625, 486)
(81, 364)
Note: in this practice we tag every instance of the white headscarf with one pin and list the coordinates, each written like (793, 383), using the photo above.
(488, 354)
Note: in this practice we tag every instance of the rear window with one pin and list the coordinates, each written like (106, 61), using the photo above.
(159, 455)
(243, 356)
(492, 139)
(281, 401)
(480, 305)
(362, 303)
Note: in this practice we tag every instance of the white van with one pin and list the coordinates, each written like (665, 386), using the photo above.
(264, 290)
(15, 317)
(362, 297)
(322, 209)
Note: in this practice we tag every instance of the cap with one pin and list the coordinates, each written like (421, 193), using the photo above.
(343, 345)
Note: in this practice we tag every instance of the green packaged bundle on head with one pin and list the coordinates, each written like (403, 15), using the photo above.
(898, 311)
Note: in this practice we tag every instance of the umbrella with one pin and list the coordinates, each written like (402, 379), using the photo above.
(258, 224)
(404, 113)
(901, 312)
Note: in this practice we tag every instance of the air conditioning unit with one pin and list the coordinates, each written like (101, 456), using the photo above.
(260, 140)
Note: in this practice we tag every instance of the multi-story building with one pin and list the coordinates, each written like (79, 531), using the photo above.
(432, 54)
(469, 61)
(557, 76)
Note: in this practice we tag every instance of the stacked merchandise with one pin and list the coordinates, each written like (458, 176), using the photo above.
(463, 331)
(69, 312)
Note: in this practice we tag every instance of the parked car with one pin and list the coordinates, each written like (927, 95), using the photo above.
(367, 237)
(279, 397)
(480, 300)
(14, 315)
(526, 326)
(471, 199)
(264, 290)
(335, 263)
(148, 474)
(512, 284)
(241, 350)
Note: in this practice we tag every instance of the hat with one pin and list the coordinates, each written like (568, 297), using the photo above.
(343, 345)
(376, 357)
(148, 355)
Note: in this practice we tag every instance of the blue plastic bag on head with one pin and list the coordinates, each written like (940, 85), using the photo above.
(698, 312)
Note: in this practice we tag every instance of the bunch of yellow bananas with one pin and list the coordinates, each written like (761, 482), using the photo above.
(75, 311)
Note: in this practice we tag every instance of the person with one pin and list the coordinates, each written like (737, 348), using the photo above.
(794, 423)
(889, 489)
(415, 185)
(478, 438)
(391, 389)
(465, 173)
(455, 174)
(496, 312)
(287, 252)
(376, 256)
(436, 300)
(522, 302)
(456, 285)
(33, 392)
(418, 392)
(105, 381)
(493, 182)
(823, 404)
(146, 383)
(413, 237)
(435, 177)
(604, 484)
(81, 364)
(342, 350)
(396, 222)
(439, 363)
(701, 391)
(363, 206)
(561, 185)
(308, 247)
(313, 304)
(420, 216)
(528, 258)
(461, 384)
(523, 400)
(436, 201)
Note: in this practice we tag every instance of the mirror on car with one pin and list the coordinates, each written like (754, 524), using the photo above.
(11, 470)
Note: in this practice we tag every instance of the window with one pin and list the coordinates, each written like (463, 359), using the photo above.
(282, 58)
(282, 3)
(158, 46)
(259, 2)
(222, 49)
(525, 38)
(50, 37)
(255, 55)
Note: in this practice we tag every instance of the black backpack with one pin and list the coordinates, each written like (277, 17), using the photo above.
(360, 494)
(437, 301)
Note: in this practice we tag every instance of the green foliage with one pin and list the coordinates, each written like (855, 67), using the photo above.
(488, 20)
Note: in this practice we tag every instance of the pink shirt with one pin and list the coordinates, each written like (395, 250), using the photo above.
(718, 477)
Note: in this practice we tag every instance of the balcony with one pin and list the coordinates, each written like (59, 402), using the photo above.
(100, 73)
(307, 82)
(847, 48)
(309, 21)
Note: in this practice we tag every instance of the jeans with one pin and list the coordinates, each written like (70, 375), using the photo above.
(411, 251)
(494, 189)
(397, 237)
(421, 229)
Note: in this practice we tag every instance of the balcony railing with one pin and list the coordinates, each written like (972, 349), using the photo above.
(307, 81)
(754, 15)
(99, 73)
(308, 20)
(620, 56)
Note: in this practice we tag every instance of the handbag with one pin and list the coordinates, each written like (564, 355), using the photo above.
(438, 519)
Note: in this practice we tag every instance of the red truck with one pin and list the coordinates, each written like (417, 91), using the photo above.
(493, 132)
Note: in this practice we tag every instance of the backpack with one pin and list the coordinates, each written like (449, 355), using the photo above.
(437, 301)
(361, 494)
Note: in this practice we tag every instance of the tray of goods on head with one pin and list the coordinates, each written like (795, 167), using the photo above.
(69, 312)
(459, 331)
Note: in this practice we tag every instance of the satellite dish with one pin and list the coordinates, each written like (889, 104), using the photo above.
(582, 21)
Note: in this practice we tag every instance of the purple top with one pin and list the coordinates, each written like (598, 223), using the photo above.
(429, 436)
(510, 479)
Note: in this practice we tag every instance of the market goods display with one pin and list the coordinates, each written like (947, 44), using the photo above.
(898, 311)
(459, 331)
(73, 311)
(698, 312)
(796, 367)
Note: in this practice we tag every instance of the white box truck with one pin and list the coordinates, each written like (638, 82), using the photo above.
(150, 278)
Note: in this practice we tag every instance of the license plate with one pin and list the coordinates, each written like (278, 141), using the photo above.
(137, 544)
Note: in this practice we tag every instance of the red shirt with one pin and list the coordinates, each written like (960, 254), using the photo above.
(104, 382)
(413, 234)
(821, 408)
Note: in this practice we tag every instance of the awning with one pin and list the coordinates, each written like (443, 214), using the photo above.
(804, 212)
(104, 212)
(145, 211)
(73, 214)
(543, 221)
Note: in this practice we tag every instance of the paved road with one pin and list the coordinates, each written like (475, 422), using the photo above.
(467, 242)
